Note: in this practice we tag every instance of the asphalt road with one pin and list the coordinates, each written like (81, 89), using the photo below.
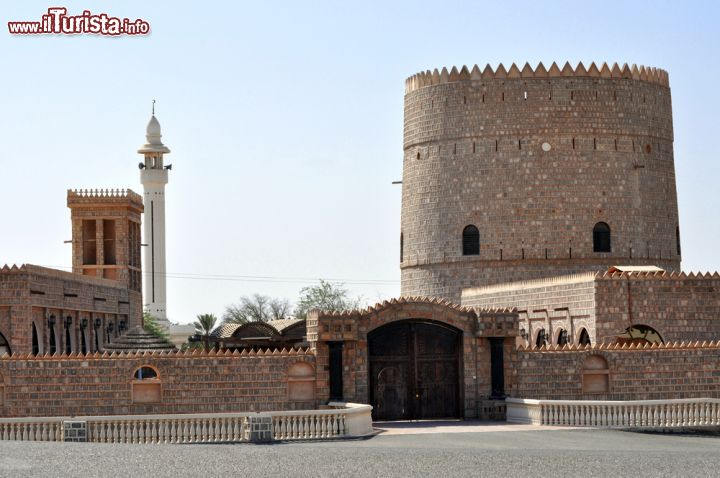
(499, 454)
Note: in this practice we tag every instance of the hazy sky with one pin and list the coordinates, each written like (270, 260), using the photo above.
(285, 125)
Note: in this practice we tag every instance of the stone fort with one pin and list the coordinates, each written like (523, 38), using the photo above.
(520, 174)
(539, 256)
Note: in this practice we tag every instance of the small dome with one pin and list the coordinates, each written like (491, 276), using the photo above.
(152, 136)
(153, 128)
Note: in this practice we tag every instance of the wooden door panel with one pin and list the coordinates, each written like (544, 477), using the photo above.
(414, 371)
(391, 391)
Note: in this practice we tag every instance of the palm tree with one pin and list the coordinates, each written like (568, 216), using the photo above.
(203, 326)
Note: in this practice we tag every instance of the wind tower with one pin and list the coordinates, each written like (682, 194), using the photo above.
(154, 177)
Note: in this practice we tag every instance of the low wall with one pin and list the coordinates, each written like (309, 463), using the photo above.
(196, 382)
(687, 413)
(340, 420)
(612, 372)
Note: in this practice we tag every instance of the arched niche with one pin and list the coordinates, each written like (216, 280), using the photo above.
(595, 375)
(146, 385)
(301, 382)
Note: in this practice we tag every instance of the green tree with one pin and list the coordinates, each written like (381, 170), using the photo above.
(150, 324)
(325, 296)
(203, 326)
(256, 308)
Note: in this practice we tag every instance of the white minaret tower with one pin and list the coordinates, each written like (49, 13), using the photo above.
(154, 177)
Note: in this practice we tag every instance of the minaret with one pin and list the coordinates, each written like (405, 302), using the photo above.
(154, 177)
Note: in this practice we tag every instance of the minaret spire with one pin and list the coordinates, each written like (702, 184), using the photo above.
(154, 177)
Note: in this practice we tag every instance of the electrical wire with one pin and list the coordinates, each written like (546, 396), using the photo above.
(265, 279)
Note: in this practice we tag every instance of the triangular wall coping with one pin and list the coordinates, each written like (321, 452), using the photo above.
(632, 72)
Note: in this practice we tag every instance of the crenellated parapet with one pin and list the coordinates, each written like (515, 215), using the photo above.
(184, 354)
(623, 347)
(633, 72)
(658, 275)
(401, 301)
(104, 196)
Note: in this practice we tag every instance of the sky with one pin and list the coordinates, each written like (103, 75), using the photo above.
(285, 125)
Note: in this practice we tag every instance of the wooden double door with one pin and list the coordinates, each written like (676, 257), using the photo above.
(415, 371)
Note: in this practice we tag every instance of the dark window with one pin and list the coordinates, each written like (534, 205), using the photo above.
(68, 342)
(109, 242)
(145, 373)
(562, 337)
(584, 337)
(53, 344)
(542, 339)
(677, 239)
(35, 342)
(336, 372)
(89, 242)
(497, 368)
(471, 241)
(83, 343)
(601, 237)
(401, 247)
(4, 348)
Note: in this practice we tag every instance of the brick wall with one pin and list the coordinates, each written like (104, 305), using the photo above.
(641, 374)
(561, 303)
(352, 329)
(30, 294)
(473, 154)
(190, 383)
(679, 306)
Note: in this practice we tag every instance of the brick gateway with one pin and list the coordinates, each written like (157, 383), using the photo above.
(415, 370)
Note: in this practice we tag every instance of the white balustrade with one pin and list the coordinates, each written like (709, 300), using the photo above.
(341, 420)
(195, 428)
(31, 429)
(690, 412)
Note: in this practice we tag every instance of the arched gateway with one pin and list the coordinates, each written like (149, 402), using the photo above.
(415, 370)
(414, 358)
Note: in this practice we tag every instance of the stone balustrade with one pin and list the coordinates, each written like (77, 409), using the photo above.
(31, 429)
(692, 412)
(196, 428)
(340, 420)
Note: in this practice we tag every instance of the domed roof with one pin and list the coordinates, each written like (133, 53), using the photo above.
(152, 136)
(153, 128)
(139, 339)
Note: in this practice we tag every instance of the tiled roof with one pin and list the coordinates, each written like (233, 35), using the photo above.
(139, 339)
(272, 327)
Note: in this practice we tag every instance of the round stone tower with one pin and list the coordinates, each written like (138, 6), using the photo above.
(520, 174)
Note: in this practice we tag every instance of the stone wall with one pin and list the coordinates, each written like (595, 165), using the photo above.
(555, 304)
(188, 383)
(31, 294)
(679, 306)
(666, 372)
(534, 159)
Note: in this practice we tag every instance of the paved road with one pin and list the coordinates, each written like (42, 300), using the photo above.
(494, 453)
